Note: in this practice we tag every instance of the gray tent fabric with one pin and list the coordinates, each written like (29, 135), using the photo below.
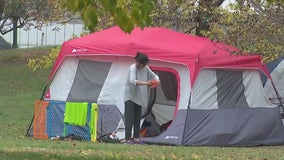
(233, 127)
(173, 135)
(271, 66)
(92, 74)
(108, 119)
(276, 70)
(230, 89)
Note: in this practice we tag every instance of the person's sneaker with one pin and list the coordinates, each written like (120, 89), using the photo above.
(138, 142)
(129, 142)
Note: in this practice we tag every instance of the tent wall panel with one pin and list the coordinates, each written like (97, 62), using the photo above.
(88, 81)
(276, 69)
(113, 89)
(108, 119)
(230, 89)
(62, 82)
(204, 91)
(254, 92)
(234, 127)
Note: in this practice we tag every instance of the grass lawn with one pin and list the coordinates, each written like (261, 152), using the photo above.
(20, 87)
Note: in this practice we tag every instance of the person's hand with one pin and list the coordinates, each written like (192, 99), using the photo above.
(149, 83)
(154, 83)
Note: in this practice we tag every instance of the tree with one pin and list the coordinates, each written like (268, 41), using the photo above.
(125, 13)
(186, 16)
(273, 9)
(129, 13)
(252, 31)
(16, 14)
(255, 27)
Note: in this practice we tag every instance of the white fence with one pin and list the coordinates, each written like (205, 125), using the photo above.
(49, 35)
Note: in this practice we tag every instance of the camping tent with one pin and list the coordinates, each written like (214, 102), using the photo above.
(207, 95)
(276, 69)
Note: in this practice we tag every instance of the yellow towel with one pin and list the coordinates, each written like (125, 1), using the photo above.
(93, 122)
(76, 113)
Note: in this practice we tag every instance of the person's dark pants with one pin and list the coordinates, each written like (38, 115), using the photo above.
(132, 115)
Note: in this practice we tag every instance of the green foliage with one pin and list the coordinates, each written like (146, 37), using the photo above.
(14, 8)
(251, 32)
(125, 13)
(89, 17)
(46, 61)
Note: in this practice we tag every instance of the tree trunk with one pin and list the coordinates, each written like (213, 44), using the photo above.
(202, 20)
(201, 25)
(15, 32)
(2, 5)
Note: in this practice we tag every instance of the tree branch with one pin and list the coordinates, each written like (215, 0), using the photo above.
(278, 18)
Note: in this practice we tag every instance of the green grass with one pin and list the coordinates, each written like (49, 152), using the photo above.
(20, 87)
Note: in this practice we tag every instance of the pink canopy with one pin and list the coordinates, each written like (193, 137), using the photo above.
(160, 44)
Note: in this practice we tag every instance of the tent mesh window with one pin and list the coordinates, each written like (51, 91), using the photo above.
(39, 129)
(57, 129)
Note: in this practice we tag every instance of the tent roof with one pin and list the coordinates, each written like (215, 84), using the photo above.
(160, 44)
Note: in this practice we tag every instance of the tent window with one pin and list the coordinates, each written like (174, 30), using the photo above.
(230, 89)
(89, 80)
